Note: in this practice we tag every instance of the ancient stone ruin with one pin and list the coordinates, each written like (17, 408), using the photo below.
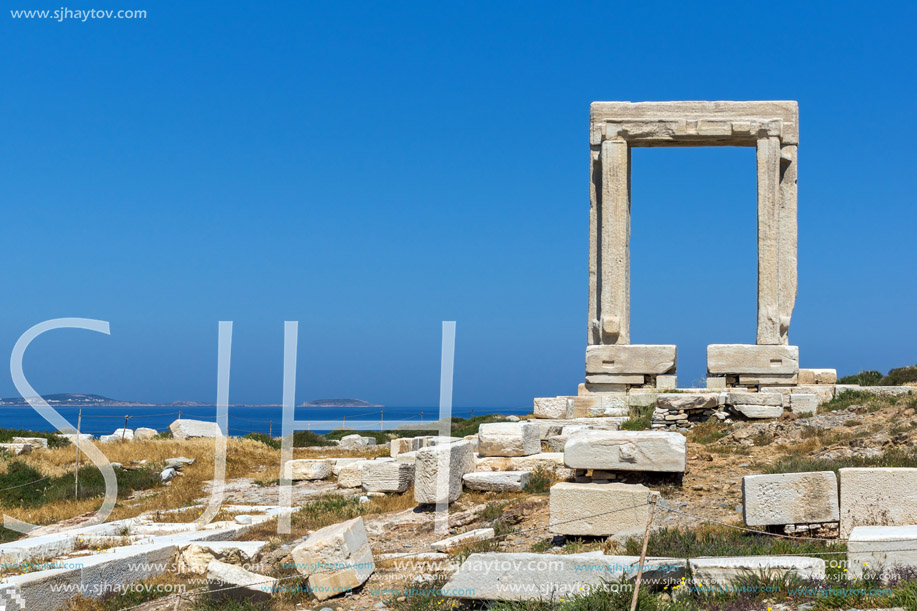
(612, 361)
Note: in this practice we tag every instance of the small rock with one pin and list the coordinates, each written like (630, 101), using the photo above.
(167, 474)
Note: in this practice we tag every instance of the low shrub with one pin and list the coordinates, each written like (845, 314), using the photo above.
(864, 378)
(54, 440)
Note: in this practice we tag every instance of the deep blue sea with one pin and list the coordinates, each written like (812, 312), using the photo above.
(242, 419)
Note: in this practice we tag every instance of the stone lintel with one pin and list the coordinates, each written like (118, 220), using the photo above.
(751, 359)
(631, 359)
(695, 123)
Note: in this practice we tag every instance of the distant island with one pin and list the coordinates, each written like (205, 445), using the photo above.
(338, 403)
(89, 400)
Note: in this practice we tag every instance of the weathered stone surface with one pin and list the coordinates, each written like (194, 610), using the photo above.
(752, 359)
(194, 557)
(453, 459)
(722, 571)
(546, 428)
(716, 383)
(694, 122)
(598, 509)
(680, 401)
(615, 378)
(818, 376)
(790, 498)
(527, 576)
(881, 496)
(404, 444)
(768, 380)
(804, 404)
(885, 550)
(758, 411)
(497, 481)
(383, 476)
(339, 463)
(642, 359)
(355, 442)
(552, 461)
(666, 382)
(608, 404)
(508, 439)
(408, 457)
(308, 469)
(626, 451)
(824, 392)
(251, 586)
(37, 443)
(144, 433)
(185, 429)
(463, 539)
(351, 474)
(550, 407)
(335, 559)
(15, 449)
(641, 399)
(754, 398)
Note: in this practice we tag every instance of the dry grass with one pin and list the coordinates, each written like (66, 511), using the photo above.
(244, 458)
(329, 509)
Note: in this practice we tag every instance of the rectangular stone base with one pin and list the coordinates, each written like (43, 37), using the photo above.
(630, 359)
(752, 360)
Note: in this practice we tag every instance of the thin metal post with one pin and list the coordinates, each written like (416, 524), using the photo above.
(124, 430)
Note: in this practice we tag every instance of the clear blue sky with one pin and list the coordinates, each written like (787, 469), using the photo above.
(373, 169)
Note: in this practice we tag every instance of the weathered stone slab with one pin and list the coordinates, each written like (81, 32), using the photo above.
(404, 444)
(626, 451)
(642, 359)
(818, 376)
(768, 380)
(667, 382)
(351, 474)
(680, 401)
(356, 442)
(752, 359)
(641, 399)
(463, 539)
(824, 392)
(754, 398)
(758, 411)
(308, 469)
(453, 459)
(384, 476)
(598, 509)
(790, 498)
(615, 378)
(722, 571)
(37, 443)
(497, 481)
(144, 433)
(508, 439)
(185, 429)
(696, 122)
(15, 449)
(880, 496)
(527, 576)
(335, 559)
(804, 404)
(716, 383)
(339, 463)
(550, 407)
(221, 576)
(546, 428)
(552, 461)
(194, 557)
(886, 550)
